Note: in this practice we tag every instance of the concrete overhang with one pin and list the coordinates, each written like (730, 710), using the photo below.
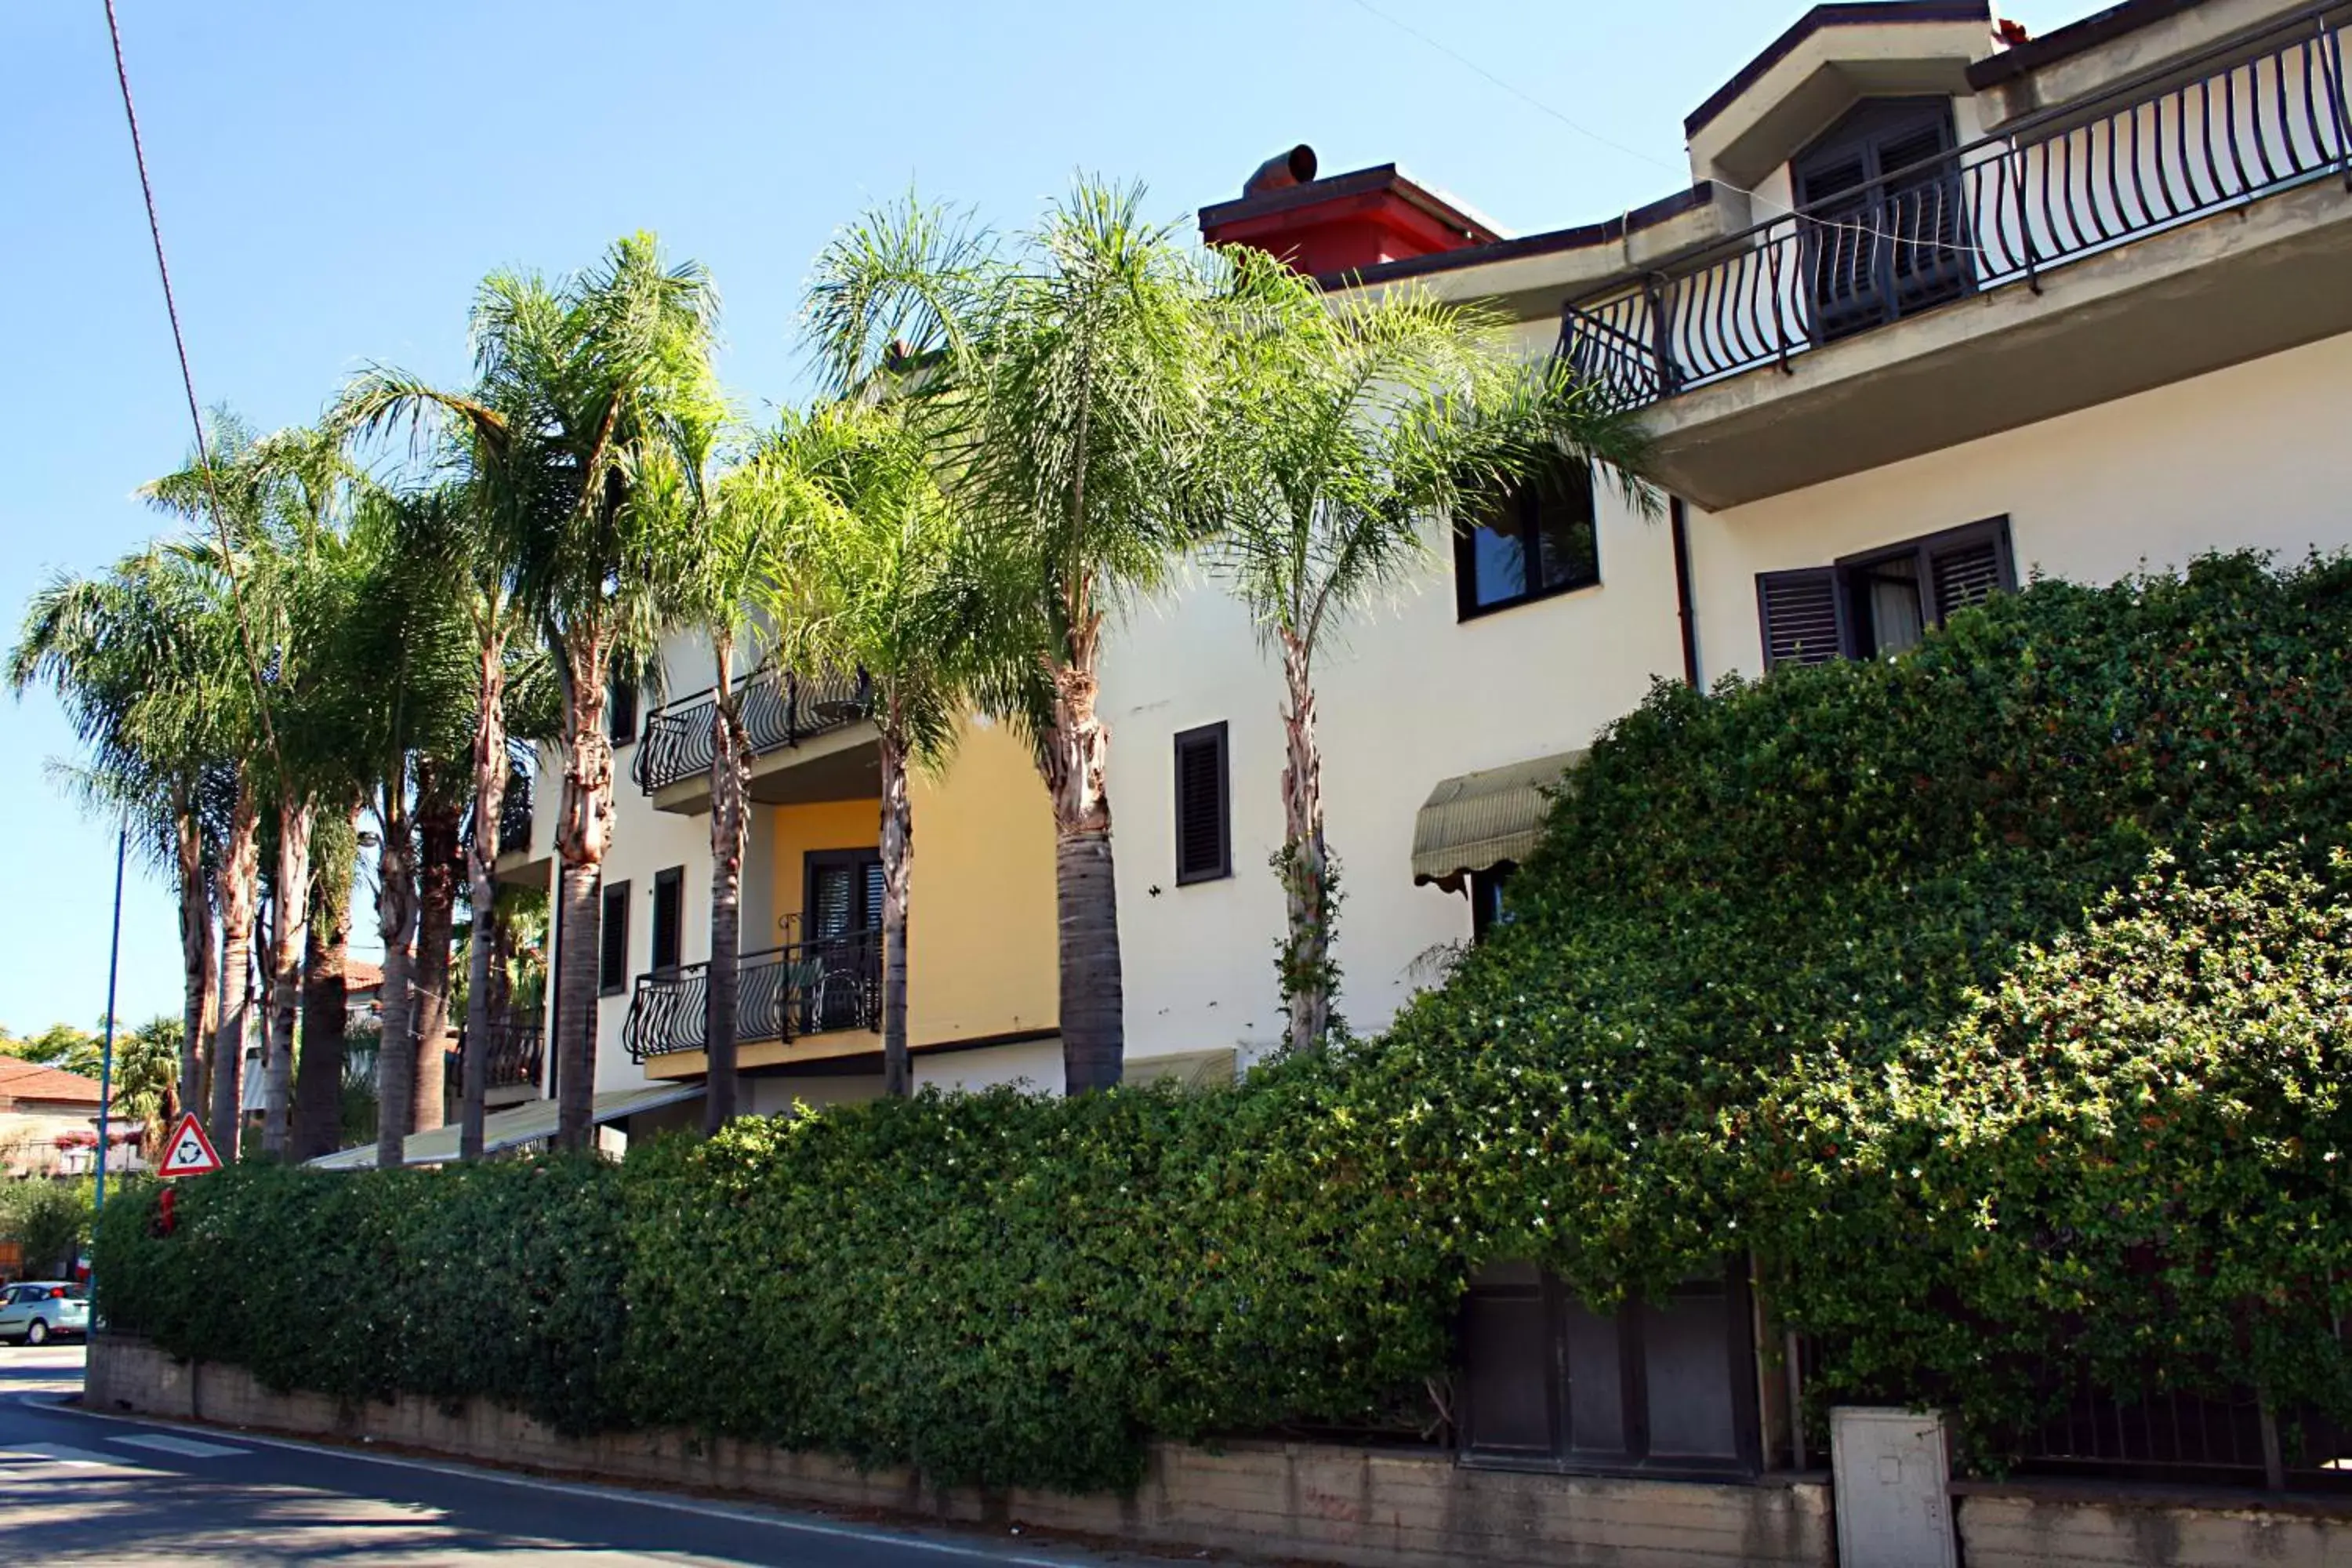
(1833, 57)
(2252, 280)
(845, 765)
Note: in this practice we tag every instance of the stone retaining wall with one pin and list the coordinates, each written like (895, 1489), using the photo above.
(2094, 1526)
(1295, 1502)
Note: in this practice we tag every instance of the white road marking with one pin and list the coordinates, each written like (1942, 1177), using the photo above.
(58, 1454)
(663, 1501)
(186, 1448)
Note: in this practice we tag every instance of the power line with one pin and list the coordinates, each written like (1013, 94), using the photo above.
(195, 410)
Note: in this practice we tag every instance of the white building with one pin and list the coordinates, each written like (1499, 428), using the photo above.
(1940, 310)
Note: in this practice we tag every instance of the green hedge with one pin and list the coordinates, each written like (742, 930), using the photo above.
(500, 1279)
(1994, 995)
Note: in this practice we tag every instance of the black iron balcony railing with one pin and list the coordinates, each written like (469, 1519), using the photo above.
(517, 1052)
(779, 710)
(2243, 120)
(808, 988)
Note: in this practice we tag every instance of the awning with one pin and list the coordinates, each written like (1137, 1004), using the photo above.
(1485, 818)
(526, 1123)
(1194, 1069)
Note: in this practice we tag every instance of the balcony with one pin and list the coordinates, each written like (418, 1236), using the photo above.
(518, 1053)
(781, 714)
(2183, 220)
(822, 986)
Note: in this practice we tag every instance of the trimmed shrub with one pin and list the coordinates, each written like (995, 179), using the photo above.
(499, 1280)
(1993, 996)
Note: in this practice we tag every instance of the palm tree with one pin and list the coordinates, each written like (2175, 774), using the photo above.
(572, 378)
(889, 588)
(1063, 397)
(134, 660)
(1343, 431)
(317, 1087)
(712, 547)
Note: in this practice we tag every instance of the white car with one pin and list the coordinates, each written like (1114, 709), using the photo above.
(40, 1310)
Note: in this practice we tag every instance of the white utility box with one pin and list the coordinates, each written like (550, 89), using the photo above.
(1892, 1470)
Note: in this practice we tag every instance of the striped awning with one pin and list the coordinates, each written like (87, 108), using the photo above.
(1485, 818)
(529, 1122)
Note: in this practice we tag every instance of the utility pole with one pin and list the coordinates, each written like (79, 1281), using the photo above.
(106, 1056)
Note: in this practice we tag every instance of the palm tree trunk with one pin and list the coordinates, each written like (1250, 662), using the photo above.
(1305, 967)
(291, 933)
(583, 831)
(1075, 761)
(326, 1006)
(439, 835)
(199, 1015)
(238, 878)
(731, 783)
(395, 908)
(897, 875)
(575, 1004)
(482, 890)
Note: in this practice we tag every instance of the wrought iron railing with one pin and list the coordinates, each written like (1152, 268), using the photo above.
(517, 1052)
(2173, 1435)
(808, 988)
(2247, 117)
(779, 710)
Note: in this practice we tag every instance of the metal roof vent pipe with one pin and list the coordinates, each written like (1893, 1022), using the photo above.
(1284, 170)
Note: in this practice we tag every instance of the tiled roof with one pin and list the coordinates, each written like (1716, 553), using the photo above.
(359, 974)
(22, 1081)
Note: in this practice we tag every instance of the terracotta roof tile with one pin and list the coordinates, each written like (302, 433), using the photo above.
(21, 1079)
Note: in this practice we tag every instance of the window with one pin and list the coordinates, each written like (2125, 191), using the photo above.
(842, 895)
(1888, 239)
(669, 889)
(621, 713)
(1537, 540)
(1205, 830)
(1487, 899)
(1652, 1386)
(612, 942)
(1882, 602)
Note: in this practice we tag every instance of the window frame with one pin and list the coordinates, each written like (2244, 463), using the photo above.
(669, 886)
(613, 896)
(1218, 737)
(1630, 1325)
(622, 726)
(854, 860)
(1528, 499)
(1843, 576)
(1485, 887)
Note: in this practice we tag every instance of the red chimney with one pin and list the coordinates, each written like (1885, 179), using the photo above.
(1341, 224)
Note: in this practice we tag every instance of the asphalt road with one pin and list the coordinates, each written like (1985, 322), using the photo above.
(77, 1488)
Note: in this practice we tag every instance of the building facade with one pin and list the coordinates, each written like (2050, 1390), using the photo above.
(1942, 309)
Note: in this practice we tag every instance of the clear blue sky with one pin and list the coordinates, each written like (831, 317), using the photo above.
(334, 179)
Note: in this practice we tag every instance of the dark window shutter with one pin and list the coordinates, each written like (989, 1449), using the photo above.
(1802, 614)
(613, 940)
(1969, 573)
(621, 713)
(1203, 825)
(873, 912)
(669, 899)
(832, 890)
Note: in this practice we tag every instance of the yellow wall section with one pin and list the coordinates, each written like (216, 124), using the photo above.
(831, 825)
(982, 954)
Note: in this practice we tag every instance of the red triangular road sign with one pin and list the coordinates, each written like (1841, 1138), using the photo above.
(190, 1153)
